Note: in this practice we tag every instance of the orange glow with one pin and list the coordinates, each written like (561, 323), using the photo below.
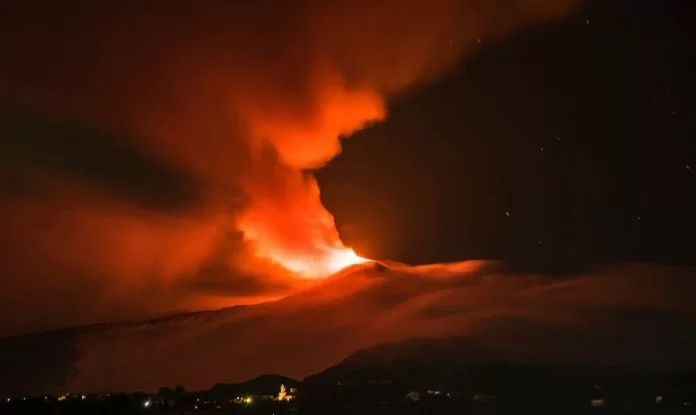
(327, 263)
(217, 117)
(301, 238)
(285, 219)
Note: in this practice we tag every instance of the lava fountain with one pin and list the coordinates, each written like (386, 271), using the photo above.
(290, 227)
(285, 220)
(315, 258)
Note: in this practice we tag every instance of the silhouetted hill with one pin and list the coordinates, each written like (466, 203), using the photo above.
(262, 385)
(458, 368)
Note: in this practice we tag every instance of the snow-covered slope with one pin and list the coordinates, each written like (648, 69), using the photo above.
(626, 315)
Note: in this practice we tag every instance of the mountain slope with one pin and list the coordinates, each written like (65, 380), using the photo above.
(628, 315)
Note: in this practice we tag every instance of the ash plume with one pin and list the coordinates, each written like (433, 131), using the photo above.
(155, 154)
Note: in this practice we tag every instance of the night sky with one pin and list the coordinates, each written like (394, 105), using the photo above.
(565, 145)
(158, 158)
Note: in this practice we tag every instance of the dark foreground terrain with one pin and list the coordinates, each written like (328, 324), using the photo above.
(443, 376)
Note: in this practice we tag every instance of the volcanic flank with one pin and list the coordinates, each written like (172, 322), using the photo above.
(628, 315)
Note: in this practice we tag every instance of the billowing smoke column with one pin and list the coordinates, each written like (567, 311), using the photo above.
(198, 120)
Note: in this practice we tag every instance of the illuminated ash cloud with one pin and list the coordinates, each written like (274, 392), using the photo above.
(170, 159)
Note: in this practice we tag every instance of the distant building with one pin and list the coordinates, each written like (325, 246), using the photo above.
(284, 395)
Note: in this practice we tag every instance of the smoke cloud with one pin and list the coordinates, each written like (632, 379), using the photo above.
(156, 153)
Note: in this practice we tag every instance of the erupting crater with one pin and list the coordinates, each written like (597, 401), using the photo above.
(329, 262)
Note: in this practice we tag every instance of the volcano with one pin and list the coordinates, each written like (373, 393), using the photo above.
(494, 312)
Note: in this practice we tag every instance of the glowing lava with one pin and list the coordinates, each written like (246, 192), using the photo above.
(297, 232)
(318, 266)
(309, 261)
(293, 229)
